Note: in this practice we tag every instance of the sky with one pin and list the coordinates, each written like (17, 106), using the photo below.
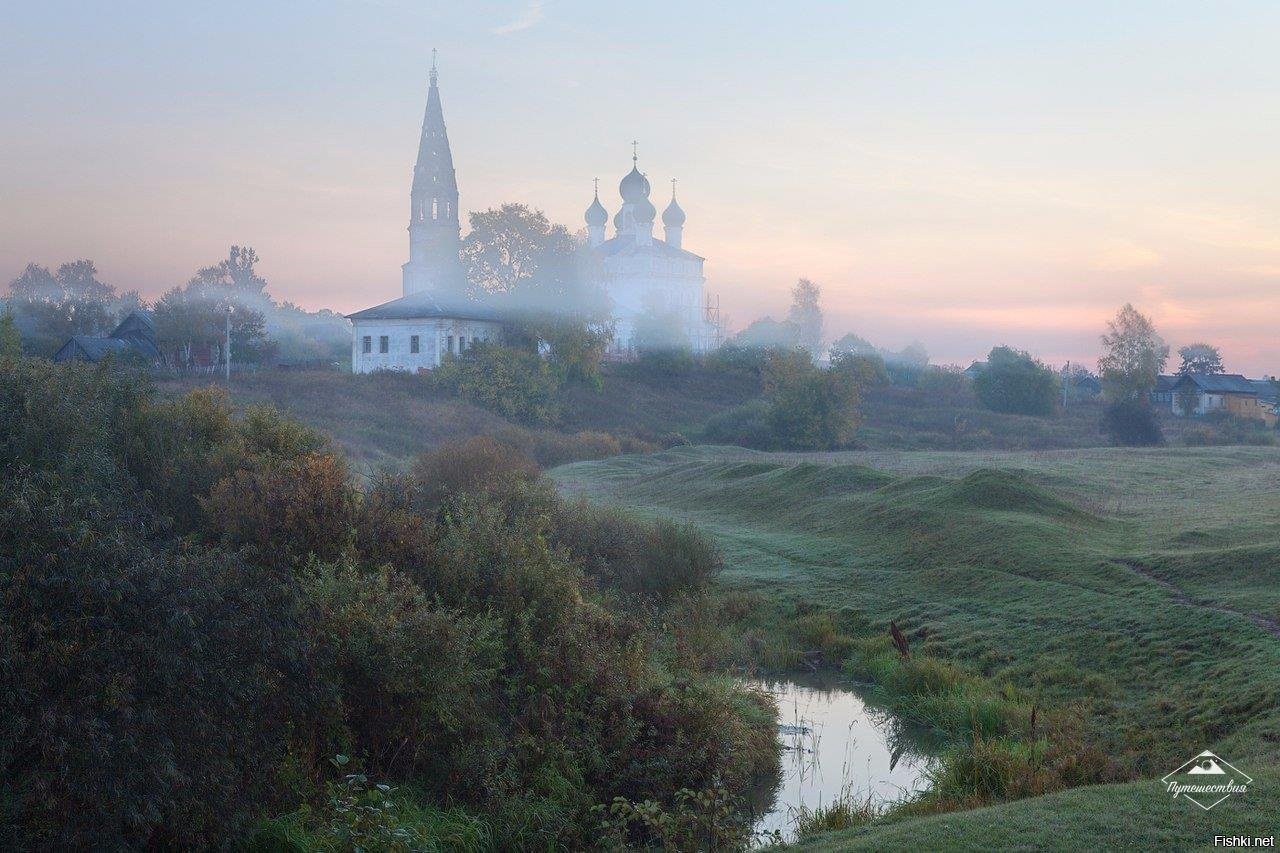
(962, 174)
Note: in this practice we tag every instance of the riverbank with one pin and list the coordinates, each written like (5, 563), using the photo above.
(1018, 570)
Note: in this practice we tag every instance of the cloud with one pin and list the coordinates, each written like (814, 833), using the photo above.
(532, 14)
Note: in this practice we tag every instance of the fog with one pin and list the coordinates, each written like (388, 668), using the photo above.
(964, 177)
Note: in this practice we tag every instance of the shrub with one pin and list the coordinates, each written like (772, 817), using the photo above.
(1014, 382)
(665, 363)
(1132, 423)
(746, 425)
(146, 694)
(659, 559)
(515, 383)
(550, 449)
(479, 466)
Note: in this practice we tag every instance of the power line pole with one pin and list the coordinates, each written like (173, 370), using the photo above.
(227, 349)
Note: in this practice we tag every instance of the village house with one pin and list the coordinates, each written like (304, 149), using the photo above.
(1219, 392)
(134, 338)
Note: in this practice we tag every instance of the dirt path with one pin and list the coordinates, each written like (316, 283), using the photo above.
(1269, 625)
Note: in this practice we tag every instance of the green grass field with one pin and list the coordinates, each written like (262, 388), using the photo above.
(1140, 587)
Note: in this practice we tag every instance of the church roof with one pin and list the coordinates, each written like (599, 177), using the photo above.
(425, 306)
(625, 244)
(433, 173)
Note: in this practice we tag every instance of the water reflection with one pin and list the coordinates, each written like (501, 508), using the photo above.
(834, 742)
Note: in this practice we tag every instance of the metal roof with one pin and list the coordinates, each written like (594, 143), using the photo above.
(1219, 383)
(425, 306)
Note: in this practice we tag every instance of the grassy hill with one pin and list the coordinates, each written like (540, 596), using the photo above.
(391, 417)
(1140, 586)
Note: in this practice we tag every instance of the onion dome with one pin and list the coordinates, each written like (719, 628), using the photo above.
(645, 211)
(673, 216)
(634, 186)
(596, 214)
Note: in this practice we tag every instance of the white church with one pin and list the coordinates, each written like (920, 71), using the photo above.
(643, 275)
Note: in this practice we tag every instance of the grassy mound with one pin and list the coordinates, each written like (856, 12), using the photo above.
(1059, 575)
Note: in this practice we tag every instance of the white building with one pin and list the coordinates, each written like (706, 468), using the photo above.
(645, 277)
(415, 331)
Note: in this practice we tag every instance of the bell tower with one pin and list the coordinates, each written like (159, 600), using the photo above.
(434, 229)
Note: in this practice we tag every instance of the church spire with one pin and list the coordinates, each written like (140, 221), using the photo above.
(434, 230)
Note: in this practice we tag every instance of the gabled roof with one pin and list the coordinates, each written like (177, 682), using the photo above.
(138, 318)
(1166, 383)
(1219, 383)
(1266, 389)
(425, 306)
(625, 244)
(89, 348)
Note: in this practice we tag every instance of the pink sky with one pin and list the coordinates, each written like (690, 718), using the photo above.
(966, 180)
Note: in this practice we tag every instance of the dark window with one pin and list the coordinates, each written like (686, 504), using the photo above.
(366, 345)
(384, 344)
(462, 342)
(413, 343)
(450, 349)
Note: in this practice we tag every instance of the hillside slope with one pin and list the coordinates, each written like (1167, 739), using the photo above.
(1143, 585)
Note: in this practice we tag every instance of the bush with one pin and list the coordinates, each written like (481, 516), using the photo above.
(146, 693)
(479, 466)
(1015, 383)
(664, 363)
(550, 449)
(1132, 423)
(515, 383)
(190, 628)
(662, 559)
(746, 426)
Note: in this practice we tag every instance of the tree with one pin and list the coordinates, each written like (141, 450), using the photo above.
(767, 332)
(1200, 358)
(806, 315)
(1015, 382)
(853, 345)
(516, 253)
(236, 274)
(71, 301)
(809, 408)
(10, 338)
(1131, 422)
(1134, 354)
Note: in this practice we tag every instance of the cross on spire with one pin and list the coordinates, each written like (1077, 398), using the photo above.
(596, 181)
(433, 66)
(673, 189)
(634, 156)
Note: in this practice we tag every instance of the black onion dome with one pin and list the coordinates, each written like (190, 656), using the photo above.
(634, 186)
(673, 216)
(596, 214)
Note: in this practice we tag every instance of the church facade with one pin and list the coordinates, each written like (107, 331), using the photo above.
(654, 285)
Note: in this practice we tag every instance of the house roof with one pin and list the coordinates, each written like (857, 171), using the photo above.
(139, 318)
(625, 244)
(424, 305)
(1219, 383)
(93, 349)
(1266, 389)
(1166, 383)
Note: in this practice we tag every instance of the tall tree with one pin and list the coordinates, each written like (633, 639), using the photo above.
(806, 314)
(1133, 356)
(71, 301)
(1200, 358)
(516, 254)
(10, 339)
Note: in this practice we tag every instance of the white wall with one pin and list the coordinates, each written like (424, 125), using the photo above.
(433, 336)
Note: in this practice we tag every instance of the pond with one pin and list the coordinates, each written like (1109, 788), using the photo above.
(834, 743)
